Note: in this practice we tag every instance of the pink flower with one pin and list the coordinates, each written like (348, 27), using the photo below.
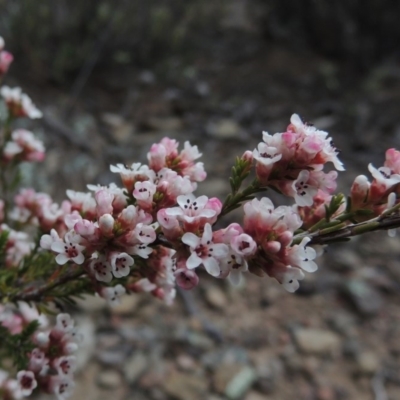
(204, 251)
(186, 279)
(120, 264)
(27, 382)
(104, 200)
(37, 360)
(6, 59)
(359, 192)
(101, 268)
(19, 104)
(65, 365)
(135, 173)
(61, 386)
(194, 211)
(69, 249)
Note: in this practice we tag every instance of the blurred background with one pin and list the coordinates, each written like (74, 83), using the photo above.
(113, 77)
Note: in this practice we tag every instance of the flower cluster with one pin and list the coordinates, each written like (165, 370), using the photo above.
(293, 161)
(154, 233)
(51, 362)
(380, 194)
(6, 59)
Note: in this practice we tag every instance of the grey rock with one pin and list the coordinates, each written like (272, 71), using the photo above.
(367, 363)
(365, 299)
(240, 383)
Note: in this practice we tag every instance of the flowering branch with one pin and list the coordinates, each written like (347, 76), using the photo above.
(153, 233)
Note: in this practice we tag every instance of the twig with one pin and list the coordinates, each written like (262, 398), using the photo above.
(39, 293)
(326, 236)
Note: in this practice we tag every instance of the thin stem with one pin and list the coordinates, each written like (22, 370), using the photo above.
(41, 292)
(332, 234)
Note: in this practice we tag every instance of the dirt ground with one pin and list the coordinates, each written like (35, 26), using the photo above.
(337, 337)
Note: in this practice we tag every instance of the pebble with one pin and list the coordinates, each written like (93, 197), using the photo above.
(240, 383)
(183, 386)
(135, 366)
(365, 299)
(367, 363)
(316, 341)
(216, 297)
(224, 129)
(109, 379)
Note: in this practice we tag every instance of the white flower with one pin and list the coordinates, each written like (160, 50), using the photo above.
(101, 269)
(302, 256)
(191, 208)
(69, 249)
(384, 176)
(266, 155)
(27, 382)
(62, 386)
(64, 323)
(303, 191)
(65, 365)
(291, 277)
(113, 294)
(120, 263)
(204, 251)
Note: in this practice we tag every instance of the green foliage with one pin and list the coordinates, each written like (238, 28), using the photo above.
(17, 347)
(240, 172)
(336, 201)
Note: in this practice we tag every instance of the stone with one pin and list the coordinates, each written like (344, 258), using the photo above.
(183, 386)
(224, 129)
(134, 367)
(109, 379)
(224, 373)
(240, 383)
(316, 341)
(216, 297)
(367, 363)
(346, 260)
(365, 299)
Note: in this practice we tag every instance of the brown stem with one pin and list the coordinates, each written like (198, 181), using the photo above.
(389, 222)
(39, 293)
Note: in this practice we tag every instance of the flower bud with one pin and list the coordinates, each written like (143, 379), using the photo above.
(106, 224)
(359, 192)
